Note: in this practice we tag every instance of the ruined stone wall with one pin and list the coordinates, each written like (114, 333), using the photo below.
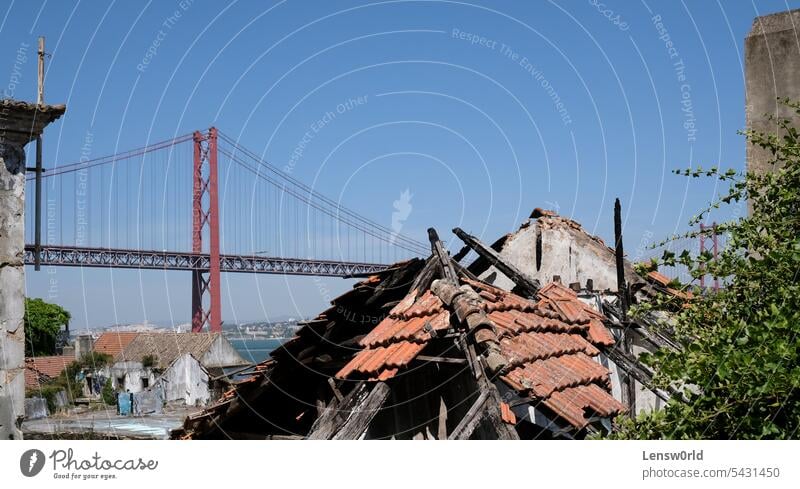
(772, 70)
(12, 288)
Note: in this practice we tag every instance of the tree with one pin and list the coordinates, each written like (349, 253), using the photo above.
(739, 370)
(43, 322)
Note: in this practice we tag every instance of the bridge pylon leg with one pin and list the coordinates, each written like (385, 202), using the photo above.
(205, 215)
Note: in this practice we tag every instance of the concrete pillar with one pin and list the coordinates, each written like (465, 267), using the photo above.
(20, 123)
(772, 70)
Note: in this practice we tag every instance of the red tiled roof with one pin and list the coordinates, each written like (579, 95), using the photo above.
(39, 369)
(507, 414)
(548, 344)
(112, 343)
(665, 281)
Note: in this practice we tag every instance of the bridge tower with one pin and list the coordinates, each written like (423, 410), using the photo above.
(205, 217)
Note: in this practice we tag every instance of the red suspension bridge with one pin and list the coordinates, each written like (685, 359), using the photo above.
(202, 203)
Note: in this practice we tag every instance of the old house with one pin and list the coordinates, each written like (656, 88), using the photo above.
(434, 349)
(40, 370)
(187, 367)
(548, 245)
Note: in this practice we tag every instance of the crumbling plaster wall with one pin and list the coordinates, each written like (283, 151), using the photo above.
(566, 251)
(12, 287)
(772, 71)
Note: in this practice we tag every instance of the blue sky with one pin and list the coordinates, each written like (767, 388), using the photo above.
(482, 110)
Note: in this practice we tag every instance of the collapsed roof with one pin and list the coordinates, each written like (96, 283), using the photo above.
(427, 350)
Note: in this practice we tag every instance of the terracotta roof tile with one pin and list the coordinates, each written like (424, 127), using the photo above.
(577, 404)
(527, 347)
(112, 343)
(412, 319)
(543, 377)
(548, 345)
(507, 414)
(382, 362)
(41, 369)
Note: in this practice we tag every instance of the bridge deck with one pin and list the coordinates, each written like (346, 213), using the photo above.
(72, 256)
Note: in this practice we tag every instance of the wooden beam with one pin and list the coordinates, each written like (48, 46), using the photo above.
(363, 414)
(528, 285)
(443, 258)
(335, 415)
(442, 431)
(470, 420)
(428, 358)
(336, 391)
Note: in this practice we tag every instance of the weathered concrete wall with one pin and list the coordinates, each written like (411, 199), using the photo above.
(565, 250)
(772, 70)
(12, 288)
(131, 374)
(222, 354)
(36, 408)
(20, 123)
(186, 381)
(150, 401)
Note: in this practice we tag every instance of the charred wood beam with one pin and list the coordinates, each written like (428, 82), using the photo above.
(634, 369)
(461, 253)
(619, 256)
(427, 358)
(336, 414)
(528, 285)
(442, 429)
(363, 414)
(426, 275)
(470, 420)
(442, 257)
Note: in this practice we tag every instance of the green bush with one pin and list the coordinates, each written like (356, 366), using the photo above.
(108, 394)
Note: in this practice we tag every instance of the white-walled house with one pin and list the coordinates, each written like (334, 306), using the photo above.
(178, 363)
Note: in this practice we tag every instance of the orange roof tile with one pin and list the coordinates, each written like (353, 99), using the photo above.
(39, 369)
(548, 344)
(112, 343)
(507, 414)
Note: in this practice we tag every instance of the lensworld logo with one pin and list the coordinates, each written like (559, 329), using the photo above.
(67, 466)
(31, 462)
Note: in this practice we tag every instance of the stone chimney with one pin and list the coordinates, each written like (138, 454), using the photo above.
(772, 70)
(20, 123)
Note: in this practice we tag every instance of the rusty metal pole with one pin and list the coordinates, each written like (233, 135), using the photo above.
(619, 254)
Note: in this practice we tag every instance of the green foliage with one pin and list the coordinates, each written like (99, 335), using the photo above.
(48, 392)
(149, 361)
(66, 381)
(109, 397)
(43, 322)
(740, 369)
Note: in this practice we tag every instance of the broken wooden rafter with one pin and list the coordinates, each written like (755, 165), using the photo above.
(442, 257)
(529, 286)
